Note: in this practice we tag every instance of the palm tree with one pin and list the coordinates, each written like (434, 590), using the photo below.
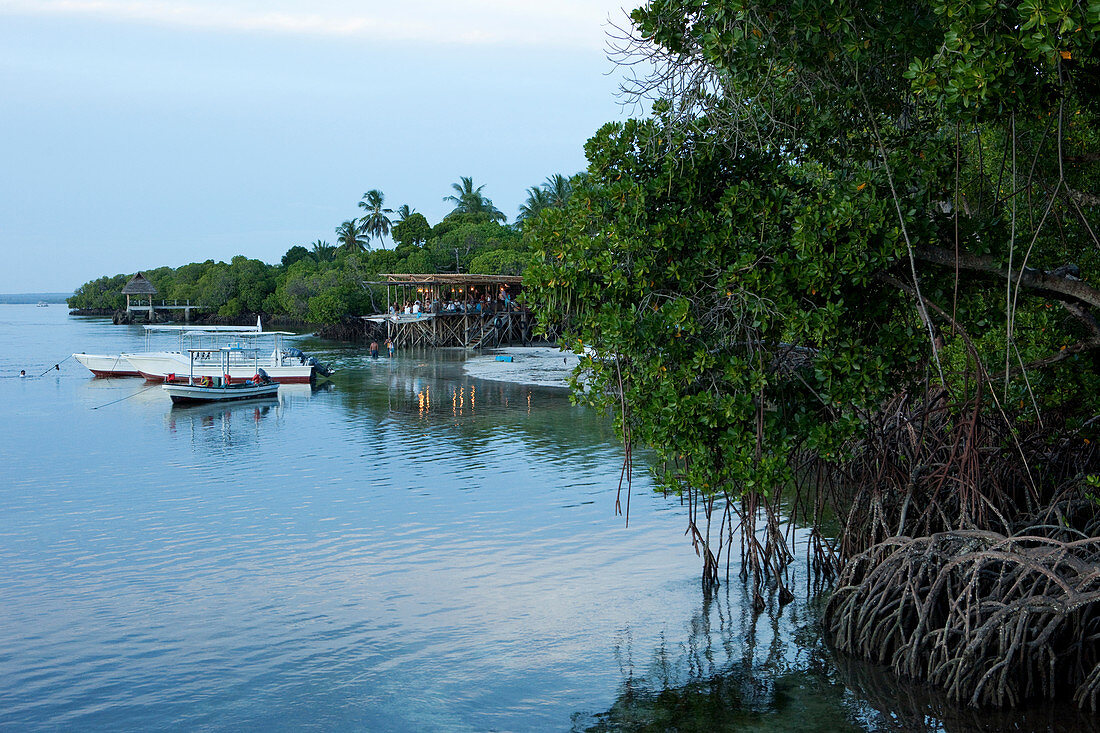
(375, 222)
(552, 194)
(351, 236)
(470, 200)
(403, 213)
(538, 198)
(560, 188)
(323, 251)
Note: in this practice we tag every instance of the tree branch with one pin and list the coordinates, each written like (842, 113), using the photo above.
(1089, 344)
(1060, 284)
(1081, 347)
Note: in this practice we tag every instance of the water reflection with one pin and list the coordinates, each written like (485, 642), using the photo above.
(223, 427)
(895, 704)
(234, 425)
(100, 393)
(734, 671)
(339, 559)
(773, 672)
(427, 403)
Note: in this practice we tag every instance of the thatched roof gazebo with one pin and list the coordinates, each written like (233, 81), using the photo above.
(139, 285)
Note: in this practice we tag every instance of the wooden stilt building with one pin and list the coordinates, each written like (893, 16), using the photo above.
(466, 310)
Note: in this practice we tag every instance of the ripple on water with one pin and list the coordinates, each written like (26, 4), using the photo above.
(412, 549)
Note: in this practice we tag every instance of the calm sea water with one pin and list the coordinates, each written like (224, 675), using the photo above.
(402, 548)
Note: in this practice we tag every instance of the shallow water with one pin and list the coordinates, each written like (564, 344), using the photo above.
(403, 548)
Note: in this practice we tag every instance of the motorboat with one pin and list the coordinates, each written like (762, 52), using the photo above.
(286, 365)
(118, 365)
(108, 365)
(196, 388)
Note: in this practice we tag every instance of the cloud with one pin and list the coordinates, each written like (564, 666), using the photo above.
(578, 23)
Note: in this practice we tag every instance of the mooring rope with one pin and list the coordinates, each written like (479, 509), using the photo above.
(56, 366)
(135, 394)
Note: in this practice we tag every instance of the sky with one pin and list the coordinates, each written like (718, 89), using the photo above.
(142, 133)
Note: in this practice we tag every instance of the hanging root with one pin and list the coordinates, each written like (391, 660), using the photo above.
(990, 619)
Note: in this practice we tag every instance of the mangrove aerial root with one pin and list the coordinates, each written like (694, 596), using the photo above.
(990, 619)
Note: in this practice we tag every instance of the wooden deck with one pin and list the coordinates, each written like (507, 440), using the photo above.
(502, 322)
(163, 305)
(467, 330)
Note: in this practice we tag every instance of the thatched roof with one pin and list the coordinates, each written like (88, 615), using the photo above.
(138, 285)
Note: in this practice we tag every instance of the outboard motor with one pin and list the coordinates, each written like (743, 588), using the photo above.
(263, 376)
(321, 369)
(318, 367)
(304, 358)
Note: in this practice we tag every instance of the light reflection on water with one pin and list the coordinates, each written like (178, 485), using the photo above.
(404, 548)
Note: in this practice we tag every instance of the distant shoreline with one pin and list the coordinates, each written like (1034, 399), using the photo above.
(32, 298)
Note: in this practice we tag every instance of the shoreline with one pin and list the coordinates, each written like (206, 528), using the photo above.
(534, 366)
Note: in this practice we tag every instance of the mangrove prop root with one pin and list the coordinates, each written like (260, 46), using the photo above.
(927, 464)
(991, 619)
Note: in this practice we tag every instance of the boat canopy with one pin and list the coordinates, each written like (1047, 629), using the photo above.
(212, 329)
(245, 331)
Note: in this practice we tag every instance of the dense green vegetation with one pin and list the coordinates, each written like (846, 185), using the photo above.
(323, 282)
(869, 181)
(847, 269)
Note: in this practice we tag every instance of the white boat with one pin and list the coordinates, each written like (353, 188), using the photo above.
(285, 365)
(196, 388)
(281, 365)
(108, 365)
(118, 365)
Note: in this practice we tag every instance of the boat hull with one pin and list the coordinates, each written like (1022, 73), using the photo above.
(108, 365)
(156, 366)
(193, 394)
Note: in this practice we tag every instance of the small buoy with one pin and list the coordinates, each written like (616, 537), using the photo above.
(504, 358)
